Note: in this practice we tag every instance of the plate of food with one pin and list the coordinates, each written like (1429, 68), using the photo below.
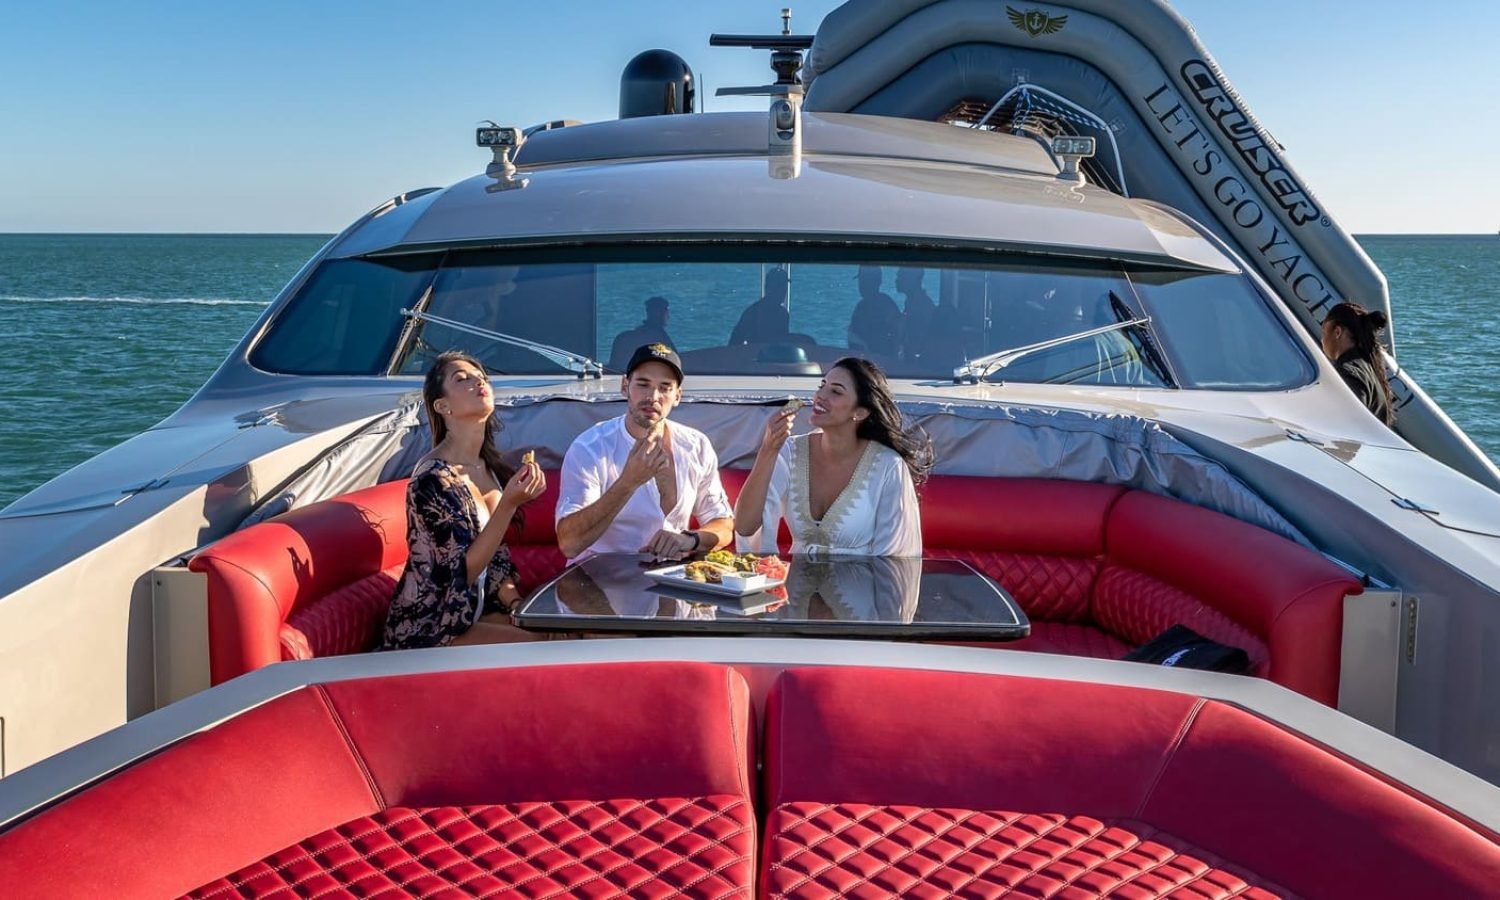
(724, 573)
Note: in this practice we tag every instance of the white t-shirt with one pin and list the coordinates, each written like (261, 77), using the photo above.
(595, 461)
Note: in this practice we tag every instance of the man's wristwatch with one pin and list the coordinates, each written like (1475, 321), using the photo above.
(697, 540)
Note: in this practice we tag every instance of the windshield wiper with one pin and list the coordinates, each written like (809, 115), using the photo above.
(1154, 356)
(975, 369)
(580, 365)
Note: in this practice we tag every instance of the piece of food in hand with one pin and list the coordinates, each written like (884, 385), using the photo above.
(528, 457)
(794, 404)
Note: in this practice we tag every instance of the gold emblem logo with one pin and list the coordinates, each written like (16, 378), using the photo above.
(661, 349)
(1035, 22)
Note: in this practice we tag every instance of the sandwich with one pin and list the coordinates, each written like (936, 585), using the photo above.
(528, 457)
(794, 404)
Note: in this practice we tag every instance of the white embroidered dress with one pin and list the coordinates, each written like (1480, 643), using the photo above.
(876, 515)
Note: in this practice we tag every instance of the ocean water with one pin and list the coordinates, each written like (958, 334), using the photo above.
(102, 336)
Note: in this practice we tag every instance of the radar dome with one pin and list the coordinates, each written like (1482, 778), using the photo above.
(656, 83)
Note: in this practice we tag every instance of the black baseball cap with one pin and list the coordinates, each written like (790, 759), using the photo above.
(655, 353)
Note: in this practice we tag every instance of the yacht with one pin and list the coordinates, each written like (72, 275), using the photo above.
(1101, 284)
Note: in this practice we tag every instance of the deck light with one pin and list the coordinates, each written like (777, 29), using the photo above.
(1072, 150)
(504, 141)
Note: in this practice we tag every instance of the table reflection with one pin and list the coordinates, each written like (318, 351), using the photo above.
(831, 596)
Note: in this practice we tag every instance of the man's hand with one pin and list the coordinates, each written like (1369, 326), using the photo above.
(670, 545)
(646, 460)
(666, 476)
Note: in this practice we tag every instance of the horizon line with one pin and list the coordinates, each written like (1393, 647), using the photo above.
(1355, 234)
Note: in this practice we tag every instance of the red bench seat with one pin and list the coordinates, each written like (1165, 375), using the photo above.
(638, 779)
(551, 781)
(884, 783)
(1098, 569)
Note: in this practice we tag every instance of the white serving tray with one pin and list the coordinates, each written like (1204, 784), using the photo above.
(673, 575)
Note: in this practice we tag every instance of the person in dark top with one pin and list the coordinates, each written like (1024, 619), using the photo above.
(459, 583)
(946, 333)
(916, 324)
(651, 331)
(1350, 339)
(766, 320)
(875, 325)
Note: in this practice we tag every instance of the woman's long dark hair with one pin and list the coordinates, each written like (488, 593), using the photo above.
(432, 392)
(884, 424)
(1364, 327)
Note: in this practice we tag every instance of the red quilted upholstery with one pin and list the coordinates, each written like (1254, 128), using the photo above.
(1122, 566)
(941, 775)
(259, 577)
(317, 581)
(1049, 588)
(536, 564)
(592, 777)
(664, 847)
(819, 850)
(202, 807)
(1137, 607)
(349, 620)
(1288, 596)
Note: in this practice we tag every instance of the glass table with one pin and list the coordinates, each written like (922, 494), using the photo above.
(862, 597)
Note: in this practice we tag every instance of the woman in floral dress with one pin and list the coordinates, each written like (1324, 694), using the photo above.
(459, 583)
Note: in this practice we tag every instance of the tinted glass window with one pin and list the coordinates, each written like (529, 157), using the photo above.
(547, 304)
(732, 311)
(782, 317)
(346, 319)
(1220, 333)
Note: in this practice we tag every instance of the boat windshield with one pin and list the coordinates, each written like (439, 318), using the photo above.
(917, 318)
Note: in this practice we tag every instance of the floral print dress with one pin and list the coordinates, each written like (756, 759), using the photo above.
(434, 601)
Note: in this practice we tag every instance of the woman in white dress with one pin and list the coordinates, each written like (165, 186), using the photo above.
(848, 487)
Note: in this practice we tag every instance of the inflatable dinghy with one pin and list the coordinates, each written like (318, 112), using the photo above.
(1168, 126)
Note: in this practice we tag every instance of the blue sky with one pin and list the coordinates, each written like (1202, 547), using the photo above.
(299, 116)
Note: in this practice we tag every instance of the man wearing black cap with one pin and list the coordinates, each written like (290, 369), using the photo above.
(630, 485)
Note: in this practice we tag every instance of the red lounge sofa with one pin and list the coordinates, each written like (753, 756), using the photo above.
(639, 779)
(1098, 568)
(317, 581)
(955, 784)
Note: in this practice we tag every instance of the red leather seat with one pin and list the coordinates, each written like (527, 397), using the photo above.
(1098, 569)
(882, 783)
(603, 780)
(315, 581)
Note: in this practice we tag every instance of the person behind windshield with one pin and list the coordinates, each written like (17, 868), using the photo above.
(631, 484)
(875, 324)
(459, 583)
(766, 320)
(850, 486)
(653, 330)
(1351, 340)
(916, 322)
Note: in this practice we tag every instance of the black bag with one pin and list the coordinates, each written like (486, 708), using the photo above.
(1183, 648)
